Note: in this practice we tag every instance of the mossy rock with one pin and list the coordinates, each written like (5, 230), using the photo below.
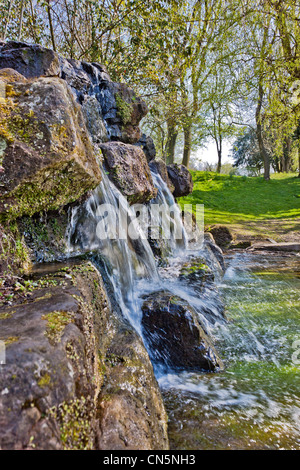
(47, 158)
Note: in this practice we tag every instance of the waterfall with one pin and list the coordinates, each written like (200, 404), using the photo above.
(125, 260)
(128, 262)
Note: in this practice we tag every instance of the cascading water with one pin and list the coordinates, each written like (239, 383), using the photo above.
(254, 403)
(129, 263)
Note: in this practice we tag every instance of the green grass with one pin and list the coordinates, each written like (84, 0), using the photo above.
(240, 199)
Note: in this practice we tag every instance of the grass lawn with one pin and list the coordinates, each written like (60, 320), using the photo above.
(250, 205)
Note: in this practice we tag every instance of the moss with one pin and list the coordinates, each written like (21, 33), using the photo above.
(124, 109)
(44, 381)
(5, 315)
(10, 340)
(75, 419)
(56, 323)
(14, 254)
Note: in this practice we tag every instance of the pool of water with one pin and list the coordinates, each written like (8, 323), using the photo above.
(255, 402)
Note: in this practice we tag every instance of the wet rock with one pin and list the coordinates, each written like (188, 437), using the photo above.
(222, 235)
(129, 171)
(215, 250)
(158, 166)
(31, 61)
(76, 375)
(52, 376)
(122, 111)
(175, 339)
(147, 144)
(47, 158)
(92, 113)
(181, 178)
(197, 273)
(132, 415)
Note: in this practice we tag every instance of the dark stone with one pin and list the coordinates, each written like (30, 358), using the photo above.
(147, 144)
(222, 235)
(77, 377)
(175, 339)
(181, 178)
(129, 170)
(31, 61)
(159, 167)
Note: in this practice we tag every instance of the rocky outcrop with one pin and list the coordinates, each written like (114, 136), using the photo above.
(222, 235)
(32, 61)
(181, 179)
(175, 339)
(76, 376)
(147, 144)
(129, 171)
(158, 166)
(47, 157)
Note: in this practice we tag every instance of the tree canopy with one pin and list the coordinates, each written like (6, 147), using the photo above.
(208, 69)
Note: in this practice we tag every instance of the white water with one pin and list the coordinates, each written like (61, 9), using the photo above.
(129, 264)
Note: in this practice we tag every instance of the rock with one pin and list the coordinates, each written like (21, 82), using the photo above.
(129, 171)
(240, 245)
(11, 75)
(122, 111)
(175, 339)
(159, 167)
(222, 235)
(181, 178)
(197, 273)
(215, 250)
(92, 113)
(120, 108)
(291, 246)
(52, 371)
(31, 61)
(47, 156)
(132, 415)
(76, 376)
(147, 144)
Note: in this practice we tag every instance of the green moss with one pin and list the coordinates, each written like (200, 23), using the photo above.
(75, 423)
(124, 109)
(10, 340)
(44, 380)
(56, 323)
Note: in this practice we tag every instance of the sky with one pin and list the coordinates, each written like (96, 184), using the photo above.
(209, 154)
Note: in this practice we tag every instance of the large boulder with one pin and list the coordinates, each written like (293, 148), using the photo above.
(222, 235)
(132, 414)
(175, 339)
(129, 171)
(147, 144)
(159, 166)
(76, 375)
(32, 61)
(120, 108)
(47, 157)
(181, 178)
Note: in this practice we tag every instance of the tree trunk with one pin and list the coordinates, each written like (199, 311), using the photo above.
(7, 19)
(51, 25)
(171, 143)
(187, 145)
(299, 157)
(21, 20)
(286, 157)
(259, 133)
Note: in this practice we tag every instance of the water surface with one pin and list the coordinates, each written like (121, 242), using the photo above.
(255, 403)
